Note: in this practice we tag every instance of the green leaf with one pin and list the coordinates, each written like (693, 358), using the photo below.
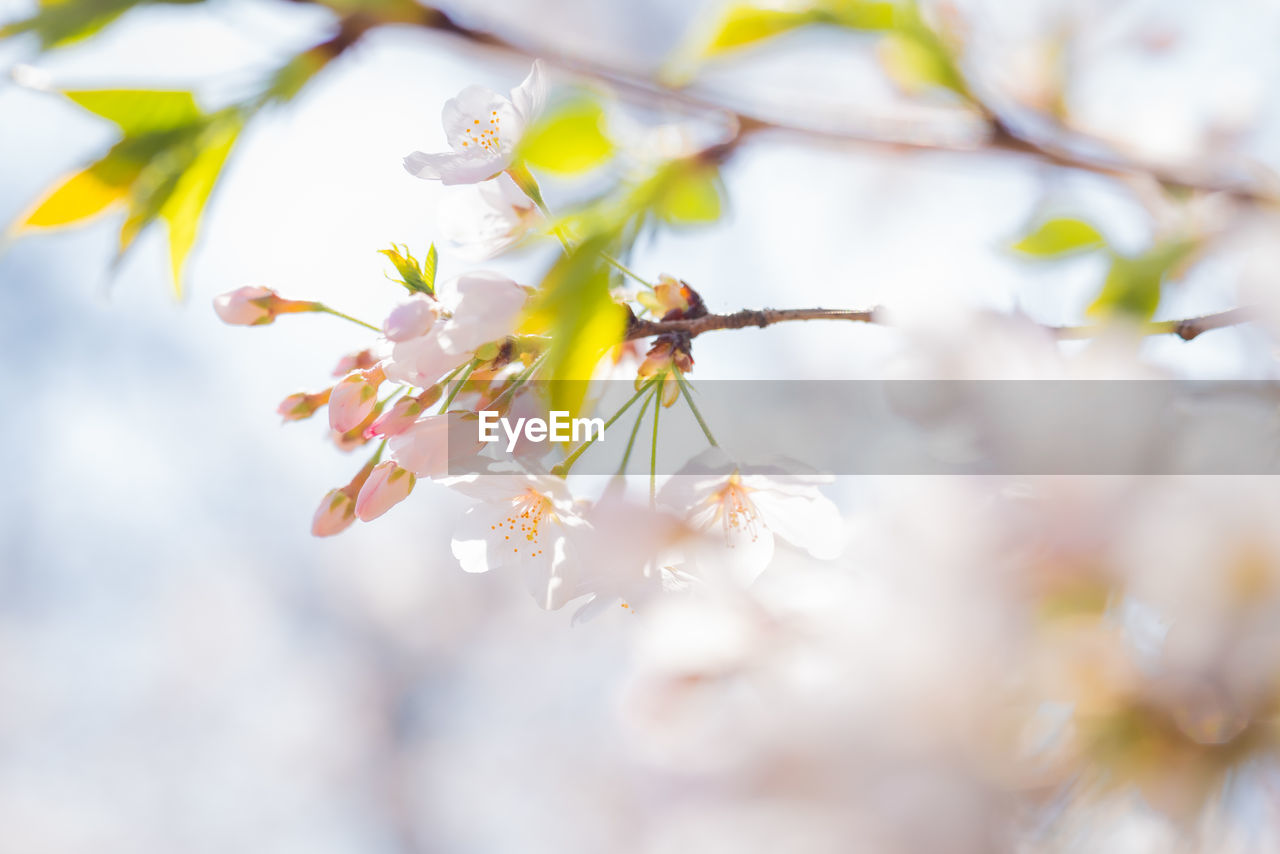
(429, 268)
(570, 139)
(575, 309)
(62, 22)
(140, 111)
(83, 195)
(689, 192)
(745, 24)
(164, 167)
(186, 203)
(1133, 285)
(917, 58)
(1061, 236)
(418, 278)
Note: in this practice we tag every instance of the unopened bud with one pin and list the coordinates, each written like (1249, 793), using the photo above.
(359, 361)
(353, 399)
(337, 509)
(302, 405)
(334, 515)
(386, 487)
(253, 306)
(398, 418)
(670, 294)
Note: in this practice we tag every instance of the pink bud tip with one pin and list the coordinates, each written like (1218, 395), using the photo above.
(386, 487)
(400, 417)
(334, 515)
(351, 401)
(247, 306)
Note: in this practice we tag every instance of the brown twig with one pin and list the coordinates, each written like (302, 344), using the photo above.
(1185, 329)
(1000, 137)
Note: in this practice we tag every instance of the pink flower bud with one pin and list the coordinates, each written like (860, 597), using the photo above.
(334, 515)
(353, 399)
(250, 306)
(386, 487)
(298, 406)
(359, 361)
(247, 306)
(411, 319)
(398, 418)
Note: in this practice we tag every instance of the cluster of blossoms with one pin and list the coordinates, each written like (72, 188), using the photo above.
(456, 347)
(1035, 664)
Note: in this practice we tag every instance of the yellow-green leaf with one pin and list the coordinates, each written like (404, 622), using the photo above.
(1060, 236)
(575, 309)
(570, 139)
(83, 195)
(689, 195)
(916, 65)
(185, 205)
(744, 24)
(140, 111)
(1133, 285)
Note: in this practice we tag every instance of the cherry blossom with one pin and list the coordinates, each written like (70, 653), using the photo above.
(486, 219)
(411, 319)
(625, 555)
(483, 129)
(748, 510)
(522, 523)
(476, 308)
(424, 448)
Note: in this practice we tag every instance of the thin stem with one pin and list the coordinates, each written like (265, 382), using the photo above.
(529, 185)
(457, 387)
(693, 407)
(626, 271)
(563, 468)
(631, 441)
(327, 310)
(521, 378)
(653, 448)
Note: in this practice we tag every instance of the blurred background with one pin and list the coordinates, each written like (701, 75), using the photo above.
(186, 669)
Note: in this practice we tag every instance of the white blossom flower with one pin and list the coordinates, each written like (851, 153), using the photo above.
(483, 129)
(749, 509)
(469, 311)
(485, 219)
(521, 523)
(625, 554)
(411, 319)
(482, 307)
(424, 447)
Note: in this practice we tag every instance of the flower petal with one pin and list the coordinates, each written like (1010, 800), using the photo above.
(485, 307)
(811, 522)
(420, 362)
(530, 96)
(453, 168)
(411, 319)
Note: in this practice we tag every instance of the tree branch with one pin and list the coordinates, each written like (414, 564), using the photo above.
(1000, 136)
(1185, 329)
